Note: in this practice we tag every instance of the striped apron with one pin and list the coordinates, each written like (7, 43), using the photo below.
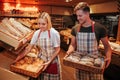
(46, 53)
(87, 43)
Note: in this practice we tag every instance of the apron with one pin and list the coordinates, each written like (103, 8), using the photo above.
(47, 50)
(87, 43)
(46, 46)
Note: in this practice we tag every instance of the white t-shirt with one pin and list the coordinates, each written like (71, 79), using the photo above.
(54, 36)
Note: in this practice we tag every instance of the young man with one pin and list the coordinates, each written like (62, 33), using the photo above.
(85, 38)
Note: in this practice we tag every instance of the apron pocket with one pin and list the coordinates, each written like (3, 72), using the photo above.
(52, 69)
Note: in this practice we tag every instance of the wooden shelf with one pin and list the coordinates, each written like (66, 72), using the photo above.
(17, 15)
(57, 21)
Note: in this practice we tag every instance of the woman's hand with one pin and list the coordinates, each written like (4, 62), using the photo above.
(45, 65)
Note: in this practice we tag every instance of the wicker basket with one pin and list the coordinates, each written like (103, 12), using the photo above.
(88, 68)
(14, 68)
(25, 72)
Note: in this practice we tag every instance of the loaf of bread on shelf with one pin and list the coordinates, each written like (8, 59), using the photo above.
(19, 26)
(14, 28)
(5, 21)
(25, 22)
(6, 30)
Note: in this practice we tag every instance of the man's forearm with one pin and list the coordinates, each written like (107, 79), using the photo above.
(108, 51)
(70, 49)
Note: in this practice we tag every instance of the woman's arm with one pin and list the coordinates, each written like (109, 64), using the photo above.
(27, 49)
(57, 50)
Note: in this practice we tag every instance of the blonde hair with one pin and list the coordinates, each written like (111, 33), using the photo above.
(82, 6)
(46, 16)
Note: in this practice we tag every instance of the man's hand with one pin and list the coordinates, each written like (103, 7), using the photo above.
(107, 61)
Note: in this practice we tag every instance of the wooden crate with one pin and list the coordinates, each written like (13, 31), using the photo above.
(16, 68)
(34, 74)
(88, 68)
(14, 42)
(25, 72)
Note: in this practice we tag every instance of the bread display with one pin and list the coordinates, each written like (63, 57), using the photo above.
(88, 62)
(67, 35)
(87, 59)
(115, 46)
(34, 52)
(98, 62)
(25, 22)
(29, 63)
(30, 66)
(14, 33)
(12, 27)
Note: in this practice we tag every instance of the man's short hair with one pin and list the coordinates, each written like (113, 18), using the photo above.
(82, 6)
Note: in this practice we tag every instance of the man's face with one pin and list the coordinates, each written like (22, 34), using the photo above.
(81, 16)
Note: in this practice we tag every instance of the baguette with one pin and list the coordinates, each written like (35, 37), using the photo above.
(6, 31)
(5, 21)
(19, 26)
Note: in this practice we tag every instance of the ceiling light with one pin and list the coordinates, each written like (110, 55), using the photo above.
(68, 0)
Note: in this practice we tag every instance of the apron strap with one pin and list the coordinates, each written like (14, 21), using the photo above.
(78, 29)
(93, 26)
(40, 33)
(92, 23)
(49, 33)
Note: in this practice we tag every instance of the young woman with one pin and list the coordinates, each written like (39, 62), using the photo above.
(48, 39)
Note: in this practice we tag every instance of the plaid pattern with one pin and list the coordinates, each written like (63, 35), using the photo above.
(86, 43)
(83, 75)
(47, 49)
(47, 52)
(45, 76)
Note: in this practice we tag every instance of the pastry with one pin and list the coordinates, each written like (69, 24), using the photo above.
(86, 63)
(87, 59)
(98, 62)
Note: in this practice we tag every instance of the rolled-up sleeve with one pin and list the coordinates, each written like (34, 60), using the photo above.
(56, 39)
(34, 38)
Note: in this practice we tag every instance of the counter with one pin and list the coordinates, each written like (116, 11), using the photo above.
(6, 58)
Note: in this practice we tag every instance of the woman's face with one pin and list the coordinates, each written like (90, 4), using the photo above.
(42, 23)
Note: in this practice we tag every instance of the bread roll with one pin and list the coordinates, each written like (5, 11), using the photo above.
(98, 62)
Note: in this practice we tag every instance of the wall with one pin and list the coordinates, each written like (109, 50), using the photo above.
(107, 7)
(62, 10)
(118, 34)
(50, 9)
(57, 10)
(96, 8)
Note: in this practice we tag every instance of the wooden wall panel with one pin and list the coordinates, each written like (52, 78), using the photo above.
(118, 33)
